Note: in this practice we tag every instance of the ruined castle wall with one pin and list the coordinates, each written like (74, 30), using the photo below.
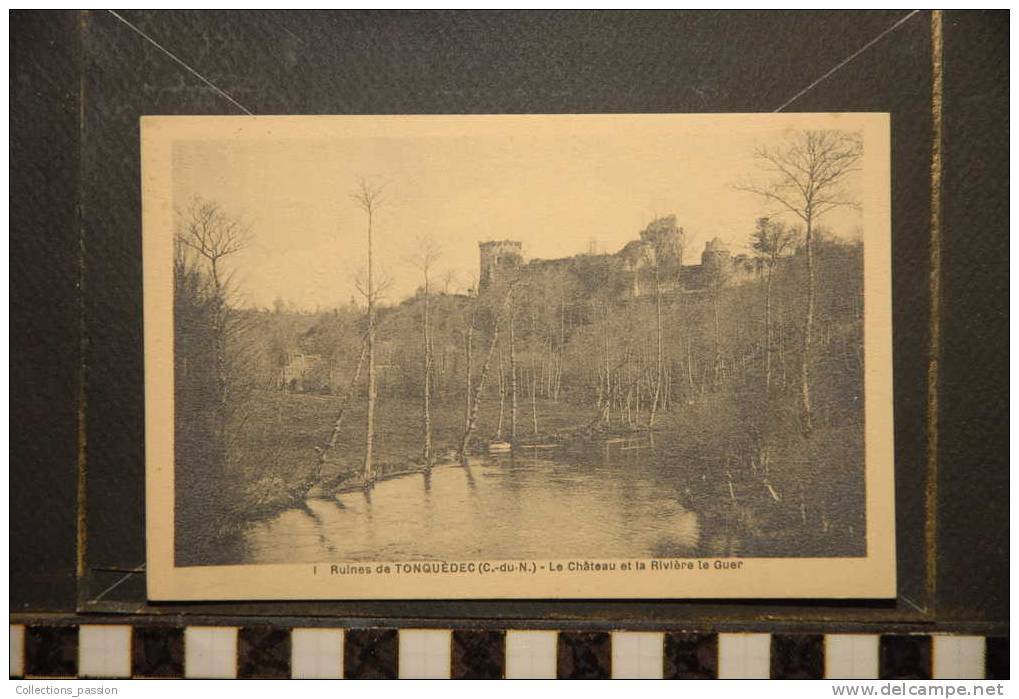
(496, 258)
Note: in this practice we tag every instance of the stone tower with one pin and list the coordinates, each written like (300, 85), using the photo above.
(497, 258)
(716, 260)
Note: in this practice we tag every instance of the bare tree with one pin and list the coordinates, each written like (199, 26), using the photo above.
(561, 362)
(212, 235)
(449, 281)
(769, 241)
(474, 401)
(334, 434)
(534, 403)
(369, 197)
(717, 277)
(427, 253)
(472, 315)
(659, 367)
(513, 372)
(206, 366)
(502, 395)
(806, 176)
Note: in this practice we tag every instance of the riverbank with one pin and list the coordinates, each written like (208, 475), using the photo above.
(771, 487)
(282, 430)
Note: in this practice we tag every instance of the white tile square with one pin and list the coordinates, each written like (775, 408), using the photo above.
(637, 656)
(851, 656)
(424, 654)
(210, 652)
(744, 656)
(316, 654)
(104, 651)
(959, 657)
(531, 654)
(17, 650)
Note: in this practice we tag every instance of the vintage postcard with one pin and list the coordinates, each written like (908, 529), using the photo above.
(532, 356)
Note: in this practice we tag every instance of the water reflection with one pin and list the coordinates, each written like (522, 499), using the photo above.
(610, 501)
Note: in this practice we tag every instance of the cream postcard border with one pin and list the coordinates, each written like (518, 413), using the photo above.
(872, 576)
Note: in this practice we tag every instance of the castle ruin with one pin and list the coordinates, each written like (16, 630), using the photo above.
(654, 258)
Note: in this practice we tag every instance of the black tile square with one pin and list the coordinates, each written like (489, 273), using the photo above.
(263, 652)
(157, 651)
(691, 656)
(51, 651)
(584, 655)
(478, 654)
(996, 658)
(905, 658)
(797, 657)
(371, 654)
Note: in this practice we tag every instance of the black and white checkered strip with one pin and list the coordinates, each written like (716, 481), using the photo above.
(110, 651)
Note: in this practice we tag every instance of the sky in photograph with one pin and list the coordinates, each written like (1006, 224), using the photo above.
(555, 184)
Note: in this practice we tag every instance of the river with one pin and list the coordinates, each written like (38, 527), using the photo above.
(620, 498)
(610, 501)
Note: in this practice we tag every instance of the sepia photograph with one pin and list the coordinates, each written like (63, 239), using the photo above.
(518, 356)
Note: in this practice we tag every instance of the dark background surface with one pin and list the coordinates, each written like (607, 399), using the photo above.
(80, 82)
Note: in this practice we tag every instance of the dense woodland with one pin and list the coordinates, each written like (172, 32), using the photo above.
(756, 384)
